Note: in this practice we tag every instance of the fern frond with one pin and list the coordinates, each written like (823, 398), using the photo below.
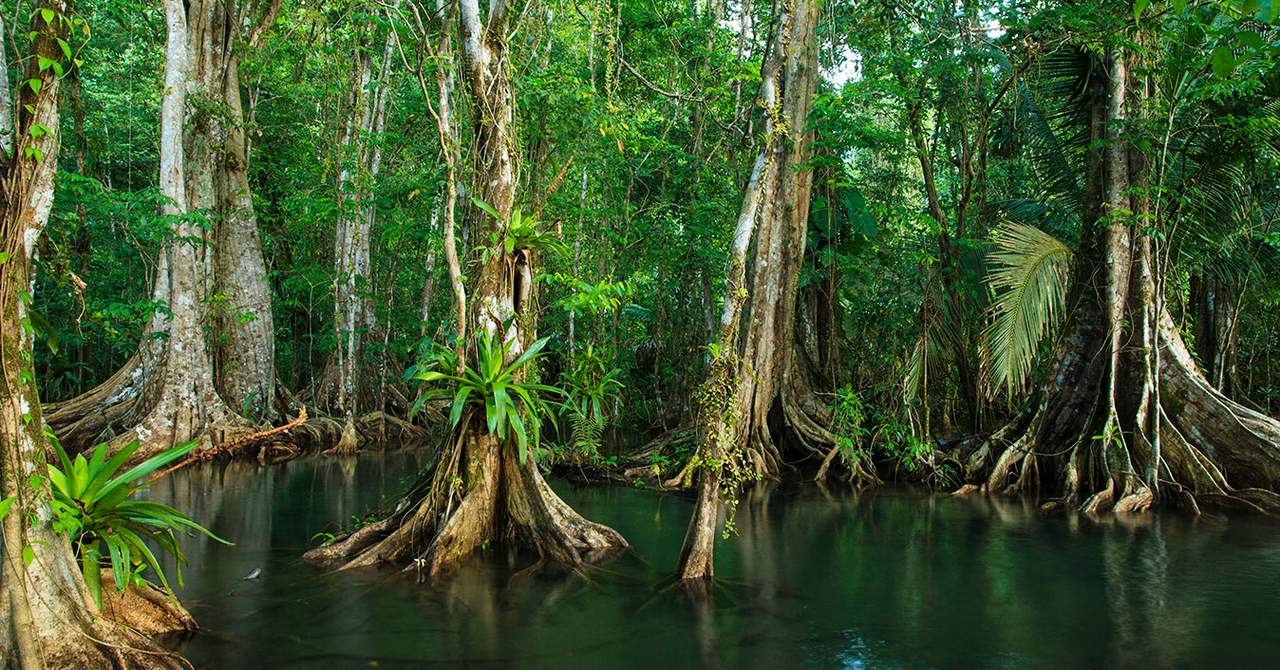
(1030, 271)
(588, 433)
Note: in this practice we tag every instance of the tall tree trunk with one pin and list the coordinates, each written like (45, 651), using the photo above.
(178, 401)
(756, 328)
(361, 151)
(48, 621)
(445, 214)
(244, 331)
(158, 397)
(501, 497)
(1127, 420)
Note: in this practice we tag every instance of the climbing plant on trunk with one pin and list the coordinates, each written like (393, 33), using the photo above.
(753, 353)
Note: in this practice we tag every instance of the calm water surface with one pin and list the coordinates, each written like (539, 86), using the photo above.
(880, 580)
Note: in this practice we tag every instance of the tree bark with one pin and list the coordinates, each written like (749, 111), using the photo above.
(499, 497)
(1217, 310)
(756, 329)
(49, 620)
(244, 332)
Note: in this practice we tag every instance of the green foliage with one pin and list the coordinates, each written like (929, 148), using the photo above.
(495, 389)
(93, 506)
(520, 232)
(848, 416)
(915, 455)
(602, 297)
(592, 387)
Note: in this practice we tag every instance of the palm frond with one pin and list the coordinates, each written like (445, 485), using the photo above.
(1029, 276)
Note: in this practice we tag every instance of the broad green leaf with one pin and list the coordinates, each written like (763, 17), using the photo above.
(92, 573)
(1250, 39)
(1140, 6)
(522, 439)
(1223, 62)
(486, 207)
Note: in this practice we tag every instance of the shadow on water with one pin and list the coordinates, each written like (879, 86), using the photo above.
(813, 579)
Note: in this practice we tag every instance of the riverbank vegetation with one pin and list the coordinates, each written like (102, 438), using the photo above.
(990, 248)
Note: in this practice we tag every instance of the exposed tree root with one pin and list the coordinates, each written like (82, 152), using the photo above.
(227, 448)
(1213, 451)
(145, 609)
(807, 418)
(445, 519)
(95, 416)
(348, 443)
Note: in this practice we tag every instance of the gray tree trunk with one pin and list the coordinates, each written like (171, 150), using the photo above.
(49, 621)
(755, 335)
(179, 402)
(361, 150)
(244, 333)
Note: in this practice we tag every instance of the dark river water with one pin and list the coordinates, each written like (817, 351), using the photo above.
(811, 580)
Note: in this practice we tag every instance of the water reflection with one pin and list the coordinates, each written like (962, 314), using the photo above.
(813, 579)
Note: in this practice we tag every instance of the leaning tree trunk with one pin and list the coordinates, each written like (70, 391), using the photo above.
(49, 620)
(479, 489)
(1127, 420)
(756, 328)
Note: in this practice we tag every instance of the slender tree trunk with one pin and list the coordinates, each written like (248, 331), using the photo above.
(361, 150)
(49, 620)
(429, 276)
(350, 247)
(6, 97)
(757, 320)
